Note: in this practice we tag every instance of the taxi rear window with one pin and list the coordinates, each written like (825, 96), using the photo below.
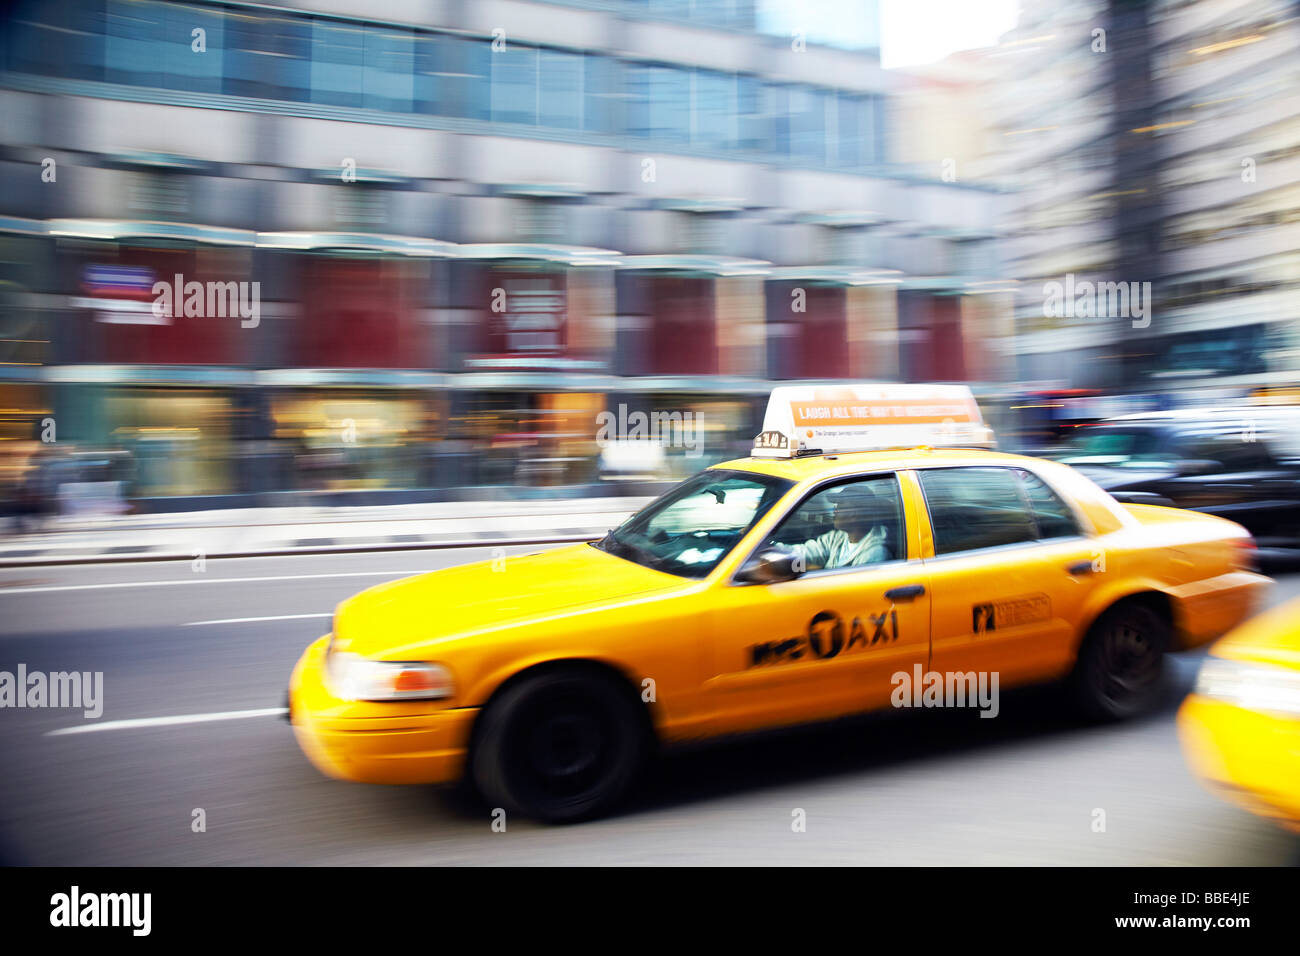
(973, 508)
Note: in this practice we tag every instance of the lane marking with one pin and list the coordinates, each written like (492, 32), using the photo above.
(250, 620)
(167, 721)
(198, 580)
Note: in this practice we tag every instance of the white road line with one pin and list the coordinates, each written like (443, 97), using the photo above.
(167, 721)
(198, 579)
(250, 620)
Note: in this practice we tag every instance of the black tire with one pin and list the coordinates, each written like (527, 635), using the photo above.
(1120, 670)
(560, 746)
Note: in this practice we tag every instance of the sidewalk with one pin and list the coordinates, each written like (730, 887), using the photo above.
(312, 530)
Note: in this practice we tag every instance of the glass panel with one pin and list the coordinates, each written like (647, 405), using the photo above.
(1119, 447)
(270, 59)
(848, 131)
(514, 85)
(1054, 517)
(134, 33)
(754, 122)
(561, 89)
(847, 525)
(56, 38)
(691, 528)
(975, 508)
(776, 104)
(808, 125)
(389, 70)
(660, 104)
(603, 92)
(187, 68)
(715, 109)
(451, 76)
(337, 64)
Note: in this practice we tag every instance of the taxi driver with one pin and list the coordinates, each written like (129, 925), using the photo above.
(858, 535)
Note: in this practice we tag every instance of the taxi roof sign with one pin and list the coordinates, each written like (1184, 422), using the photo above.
(830, 419)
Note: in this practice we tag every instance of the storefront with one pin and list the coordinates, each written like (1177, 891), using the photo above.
(690, 315)
(350, 300)
(146, 293)
(827, 322)
(355, 439)
(535, 339)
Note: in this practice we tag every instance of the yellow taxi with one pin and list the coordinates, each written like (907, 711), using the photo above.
(871, 538)
(1240, 728)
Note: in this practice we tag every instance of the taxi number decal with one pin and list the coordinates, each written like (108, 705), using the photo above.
(825, 638)
(1011, 612)
(772, 439)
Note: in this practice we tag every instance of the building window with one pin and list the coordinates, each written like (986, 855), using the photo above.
(388, 78)
(513, 94)
(603, 94)
(153, 195)
(660, 104)
(715, 109)
(305, 58)
(270, 59)
(560, 86)
(133, 35)
(754, 120)
(808, 125)
(337, 64)
(360, 207)
(451, 76)
(539, 220)
(363, 67)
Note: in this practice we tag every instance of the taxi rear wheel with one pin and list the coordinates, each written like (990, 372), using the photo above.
(560, 746)
(1121, 663)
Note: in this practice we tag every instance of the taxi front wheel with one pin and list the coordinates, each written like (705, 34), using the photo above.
(1121, 663)
(559, 746)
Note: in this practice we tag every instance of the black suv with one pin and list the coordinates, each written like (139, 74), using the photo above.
(1231, 466)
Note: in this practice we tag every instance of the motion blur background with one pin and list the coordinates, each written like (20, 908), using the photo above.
(477, 225)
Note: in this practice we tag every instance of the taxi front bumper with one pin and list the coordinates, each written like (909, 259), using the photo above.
(1251, 758)
(346, 740)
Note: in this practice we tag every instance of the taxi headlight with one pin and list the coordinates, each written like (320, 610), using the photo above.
(1259, 687)
(353, 677)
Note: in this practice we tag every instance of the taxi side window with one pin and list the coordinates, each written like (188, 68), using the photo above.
(1053, 516)
(976, 508)
(849, 524)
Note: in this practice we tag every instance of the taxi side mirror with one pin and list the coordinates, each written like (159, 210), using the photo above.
(771, 566)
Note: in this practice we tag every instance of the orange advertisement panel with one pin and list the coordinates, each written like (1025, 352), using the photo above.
(849, 409)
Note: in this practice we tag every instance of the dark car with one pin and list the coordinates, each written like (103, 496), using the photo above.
(1240, 466)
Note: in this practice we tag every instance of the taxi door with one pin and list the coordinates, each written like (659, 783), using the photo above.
(1009, 570)
(827, 643)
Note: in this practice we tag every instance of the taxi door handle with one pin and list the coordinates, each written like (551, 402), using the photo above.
(1079, 567)
(906, 592)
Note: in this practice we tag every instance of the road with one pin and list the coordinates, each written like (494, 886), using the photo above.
(906, 787)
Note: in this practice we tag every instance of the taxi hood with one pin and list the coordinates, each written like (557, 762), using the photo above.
(383, 621)
(1272, 637)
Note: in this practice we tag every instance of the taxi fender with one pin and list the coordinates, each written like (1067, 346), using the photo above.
(491, 683)
(1108, 594)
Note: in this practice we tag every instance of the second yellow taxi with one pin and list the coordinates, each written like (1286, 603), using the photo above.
(872, 546)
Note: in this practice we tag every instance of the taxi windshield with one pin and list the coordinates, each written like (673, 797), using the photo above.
(693, 527)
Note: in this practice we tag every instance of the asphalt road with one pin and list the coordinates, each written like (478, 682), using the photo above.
(906, 787)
